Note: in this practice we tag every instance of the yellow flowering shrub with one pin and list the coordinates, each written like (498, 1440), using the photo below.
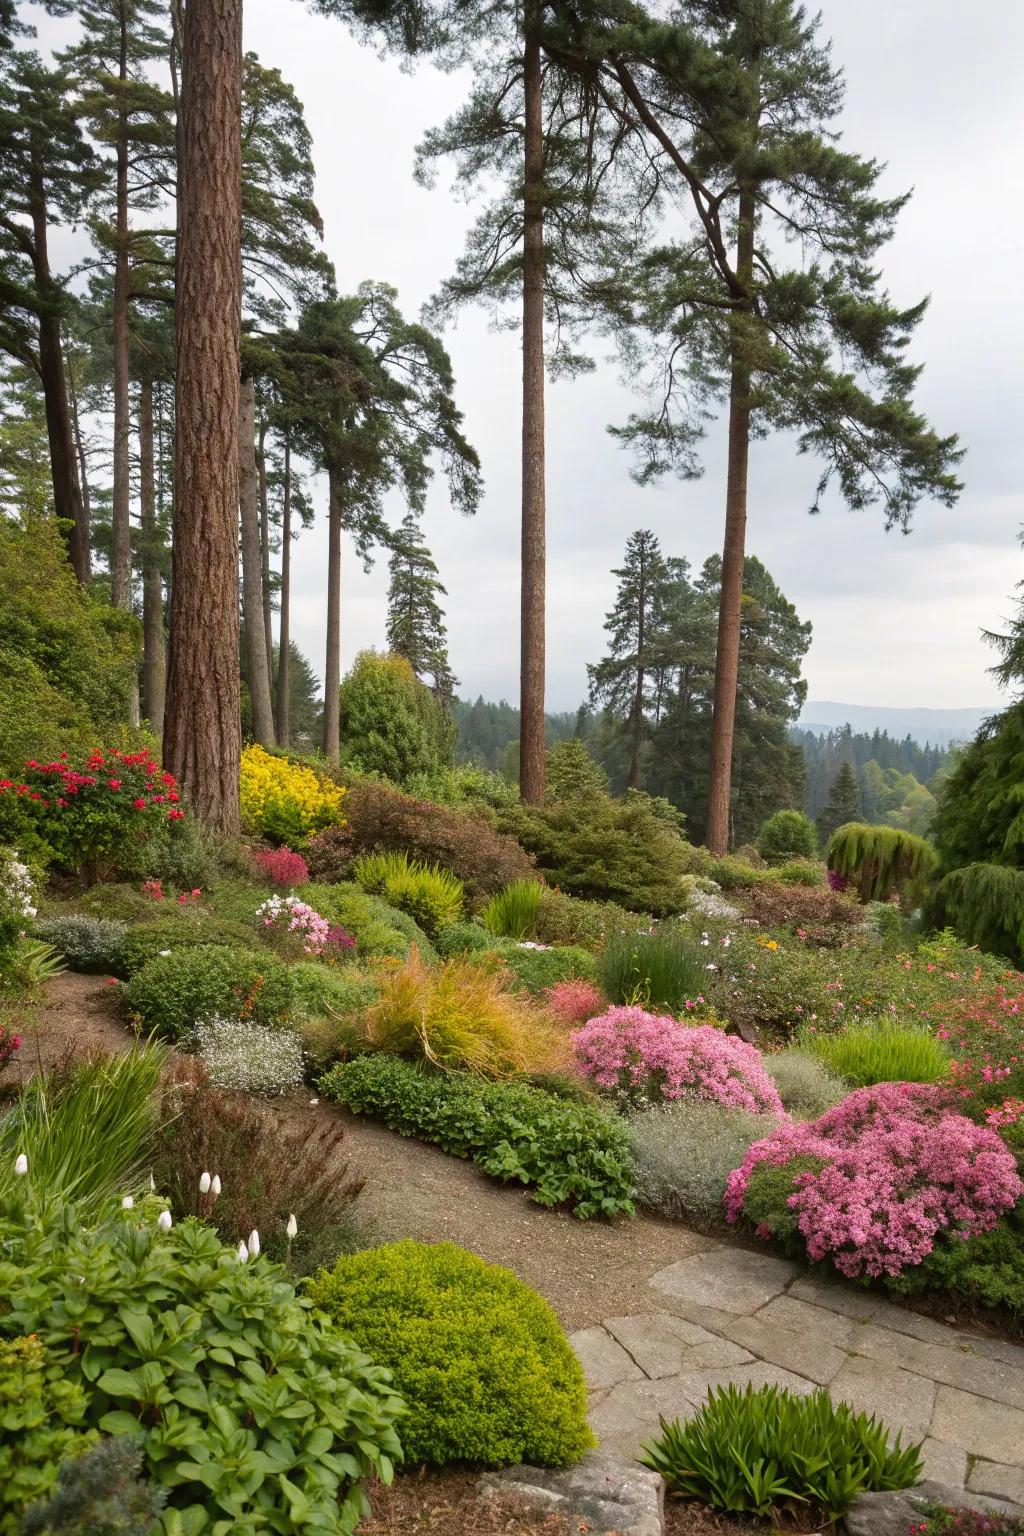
(285, 800)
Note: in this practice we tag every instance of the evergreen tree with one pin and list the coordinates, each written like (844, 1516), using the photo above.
(843, 804)
(626, 681)
(415, 624)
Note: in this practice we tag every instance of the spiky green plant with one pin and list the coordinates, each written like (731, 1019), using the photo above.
(662, 969)
(433, 896)
(513, 912)
(885, 1052)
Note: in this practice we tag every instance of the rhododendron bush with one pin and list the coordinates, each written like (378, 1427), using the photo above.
(88, 816)
(878, 1178)
(281, 866)
(643, 1058)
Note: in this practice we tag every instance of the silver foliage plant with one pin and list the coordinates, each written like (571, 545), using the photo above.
(247, 1057)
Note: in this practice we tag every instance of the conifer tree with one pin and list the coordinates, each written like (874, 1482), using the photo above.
(843, 804)
(625, 682)
(415, 623)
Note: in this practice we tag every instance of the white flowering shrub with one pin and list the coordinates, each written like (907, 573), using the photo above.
(87, 943)
(247, 1057)
(17, 897)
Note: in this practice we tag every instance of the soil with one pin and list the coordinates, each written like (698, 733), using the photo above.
(77, 1014)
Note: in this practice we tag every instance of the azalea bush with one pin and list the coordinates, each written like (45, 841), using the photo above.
(642, 1058)
(294, 924)
(92, 816)
(286, 800)
(873, 1183)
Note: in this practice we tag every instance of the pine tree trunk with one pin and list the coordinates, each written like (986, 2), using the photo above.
(80, 467)
(121, 553)
(633, 776)
(268, 624)
(332, 661)
(531, 696)
(727, 663)
(202, 727)
(257, 662)
(67, 493)
(154, 659)
(284, 668)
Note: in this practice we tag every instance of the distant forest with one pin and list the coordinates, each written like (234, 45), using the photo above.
(898, 779)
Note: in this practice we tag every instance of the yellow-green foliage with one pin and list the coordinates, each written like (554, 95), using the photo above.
(286, 800)
(460, 1016)
(513, 912)
(431, 895)
(484, 1369)
(880, 860)
(40, 1426)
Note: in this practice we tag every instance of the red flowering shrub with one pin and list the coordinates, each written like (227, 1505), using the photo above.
(574, 1001)
(91, 816)
(984, 1031)
(874, 1181)
(9, 1043)
(281, 866)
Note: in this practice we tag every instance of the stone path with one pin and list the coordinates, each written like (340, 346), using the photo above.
(725, 1314)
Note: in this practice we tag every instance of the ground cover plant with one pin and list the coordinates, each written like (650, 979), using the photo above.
(485, 1371)
(684, 1152)
(806, 1086)
(248, 1057)
(766, 1451)
(89, 944)
(534, 968)
(563, 1151)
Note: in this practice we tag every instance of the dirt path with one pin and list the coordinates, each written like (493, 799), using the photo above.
(77, 1013)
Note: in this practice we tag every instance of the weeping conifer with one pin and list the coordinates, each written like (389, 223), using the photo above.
(880, 860)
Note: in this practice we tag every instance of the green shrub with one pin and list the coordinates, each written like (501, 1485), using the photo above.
(566, 919)
(984, 904)
(985, 1271)
(179, 928)
(733, 873)
(331, 991)
(800, 872)
(173, 992)
(764, 1451)
(379, 930)
(391, 723)
(684, 1153)
(85, 1128)
(626, 850)
(766, 1202)
(255, 1414)
(89, 944)
(100, 1493)
(565, 1152)
(41, 1424)
(117, 900)
(787, 835)
(662, 969)
(535, 970)
(513, 912)
(880, 860)
(806, 1087)
(463, 784)
(461, 939)
(183, 854)
(881, 1052)
(433, 897)
(485, 1371)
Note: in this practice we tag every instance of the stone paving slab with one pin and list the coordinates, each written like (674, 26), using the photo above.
(736, 1315)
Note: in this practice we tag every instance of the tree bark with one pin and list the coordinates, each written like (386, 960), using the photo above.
(332, 660)
(633, 776)
(80, 468)
(257, 662)
(532, 633)
(268, 625)
(202, 727)
(154, 657)
(727, 662)
(284, 669)
(121, 552)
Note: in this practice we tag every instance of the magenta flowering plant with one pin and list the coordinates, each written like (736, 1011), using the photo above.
(281, 866)
(645, 1058)
(883, 1174)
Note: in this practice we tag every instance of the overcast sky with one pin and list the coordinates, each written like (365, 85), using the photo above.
(934, 89)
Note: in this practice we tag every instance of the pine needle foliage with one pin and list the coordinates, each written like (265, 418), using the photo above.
(880, 860)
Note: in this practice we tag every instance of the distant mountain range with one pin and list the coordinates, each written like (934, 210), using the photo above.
(939, 727)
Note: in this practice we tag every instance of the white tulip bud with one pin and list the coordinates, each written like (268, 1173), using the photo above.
(204, 1183)
(215, 1185)
(152, 1185)
(292, 1227)
(164, 1221)
(127, 1203)
(21, 1165)
(243, 1254)
(254, 1243)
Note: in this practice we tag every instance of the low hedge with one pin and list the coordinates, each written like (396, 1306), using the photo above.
(565, 1152)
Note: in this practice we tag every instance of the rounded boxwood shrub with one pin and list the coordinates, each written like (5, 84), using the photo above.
(462, 939)
(787, 835)
(179, 928)
(173, 992)
(534, 969)
(486, 1373)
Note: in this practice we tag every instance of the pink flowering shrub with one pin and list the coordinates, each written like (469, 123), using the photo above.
(281, 866)
(884, 1173)
(573, 1002)
(644, 1058)
(288, 918)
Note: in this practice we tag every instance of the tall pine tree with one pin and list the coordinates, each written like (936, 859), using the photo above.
(415, 624)
(843, 804)
(625, 682)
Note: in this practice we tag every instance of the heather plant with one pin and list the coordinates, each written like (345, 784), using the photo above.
(89, 944)
(42, 1422)
(881, 1051)
(460, 1016)
(765, 1451)
(486, 1373)
(172, 992)
(281, 866)
(286, 800)
(432, 896)
(806, 1086)
(663, 969)
(787, 835)
(941, 1520)
(640, 1059)
(247, 1057)
(271, 1416)
(513, 912)
(813, 913)
(984, 1032)
(99, 1493)
(574, 1001)
(684, 1152)
(878, 1178)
